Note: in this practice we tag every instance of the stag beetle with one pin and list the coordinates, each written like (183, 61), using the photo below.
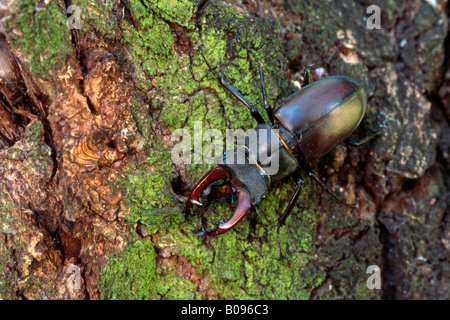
(311, 122)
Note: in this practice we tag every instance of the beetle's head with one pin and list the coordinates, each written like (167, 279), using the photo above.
(248, 170)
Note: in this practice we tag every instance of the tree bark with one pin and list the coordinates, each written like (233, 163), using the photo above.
(91, 203)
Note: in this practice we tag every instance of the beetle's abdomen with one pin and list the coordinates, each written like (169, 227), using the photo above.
(323, 114)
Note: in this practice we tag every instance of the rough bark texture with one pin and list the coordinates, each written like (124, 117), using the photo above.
(87, 182)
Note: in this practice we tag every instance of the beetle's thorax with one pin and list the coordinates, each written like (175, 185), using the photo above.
(260, 159)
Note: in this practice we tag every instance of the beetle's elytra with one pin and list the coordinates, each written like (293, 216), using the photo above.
(310, 123)
(324, 113)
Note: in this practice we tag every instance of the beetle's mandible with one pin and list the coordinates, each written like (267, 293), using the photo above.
(310, 123)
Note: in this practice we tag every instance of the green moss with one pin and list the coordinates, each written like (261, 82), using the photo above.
(245, 269)
(219, 26)
(176, 11)
(151, 44)
(174, 115)
(135, 275)
(34, 131)
(362, 292)
(148, 202)
(8, 278)
(154, 34)
(42, 36)
(99, 14)
(182, 91)
(314, 13)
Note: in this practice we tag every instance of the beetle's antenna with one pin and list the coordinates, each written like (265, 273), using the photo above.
(214, 159)
(327, 62)
(255, 114)
(267, 107)
(279, 243)
(324, 187)
(307, 74)
(266, 232)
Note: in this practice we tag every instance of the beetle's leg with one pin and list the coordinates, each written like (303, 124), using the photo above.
(323, 64)
(307, 74)
(255, 114)
(324, 187)
(382, 128)
(287, 211)
(267, 107)
(266, 232)
(363, 141)
(313, 175)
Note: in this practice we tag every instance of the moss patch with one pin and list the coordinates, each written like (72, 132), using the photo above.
(176, 88)
(134, 275)
(42, 36)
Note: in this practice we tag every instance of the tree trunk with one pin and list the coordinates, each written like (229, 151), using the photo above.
(91, 203)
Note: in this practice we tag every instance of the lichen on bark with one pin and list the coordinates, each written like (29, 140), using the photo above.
(87, 179)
